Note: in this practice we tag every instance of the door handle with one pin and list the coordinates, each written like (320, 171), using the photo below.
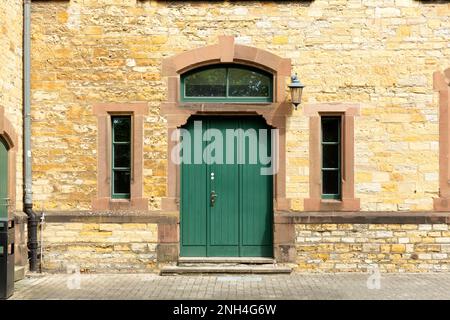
(212, 198)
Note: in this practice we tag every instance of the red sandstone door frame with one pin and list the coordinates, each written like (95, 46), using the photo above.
(177, 113)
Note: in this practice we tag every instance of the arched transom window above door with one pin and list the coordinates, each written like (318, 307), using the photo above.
(227, 83)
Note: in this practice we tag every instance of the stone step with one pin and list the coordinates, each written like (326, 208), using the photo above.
(224, 260)
(230, 264)
(219, 269)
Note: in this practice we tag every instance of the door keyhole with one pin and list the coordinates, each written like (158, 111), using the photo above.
(212, 198)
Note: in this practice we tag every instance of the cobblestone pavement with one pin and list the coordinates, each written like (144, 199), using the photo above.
(295, 286)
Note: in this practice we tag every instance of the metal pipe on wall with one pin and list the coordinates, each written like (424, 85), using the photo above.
(33, 218)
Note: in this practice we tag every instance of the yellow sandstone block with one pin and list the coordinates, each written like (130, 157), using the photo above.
(404, 31)
(134, 226)
(390, 187)
(62, 17)
(158, 39)
(280, 40)
(93, 30)
(101, 234)
(90, 226)
(104, 249)
(363, 177)
(398, 248)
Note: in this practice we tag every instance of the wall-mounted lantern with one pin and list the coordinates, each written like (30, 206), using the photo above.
(296, 88)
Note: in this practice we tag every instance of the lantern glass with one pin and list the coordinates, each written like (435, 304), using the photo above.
(296, 95)
(296, 88)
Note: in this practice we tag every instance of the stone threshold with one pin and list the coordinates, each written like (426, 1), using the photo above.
(241, 260)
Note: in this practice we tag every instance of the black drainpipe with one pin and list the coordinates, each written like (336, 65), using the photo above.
(33, 245)
(33, 218)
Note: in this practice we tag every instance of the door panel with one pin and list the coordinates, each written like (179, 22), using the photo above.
(256, 197)
(193, 202)
(224, 214)
(239, 223)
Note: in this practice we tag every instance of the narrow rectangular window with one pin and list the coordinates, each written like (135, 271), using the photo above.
(331, 157)
(121, 157)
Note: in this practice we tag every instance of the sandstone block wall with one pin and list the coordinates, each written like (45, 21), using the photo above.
(363, 247)
(378, 53)
(99, 247)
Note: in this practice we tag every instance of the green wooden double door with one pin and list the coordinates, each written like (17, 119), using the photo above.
(226, 201)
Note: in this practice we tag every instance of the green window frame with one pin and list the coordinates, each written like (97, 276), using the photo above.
(121, 157)
(227, 97)
(331, 151)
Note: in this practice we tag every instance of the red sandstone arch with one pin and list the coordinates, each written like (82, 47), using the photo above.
(275, 113)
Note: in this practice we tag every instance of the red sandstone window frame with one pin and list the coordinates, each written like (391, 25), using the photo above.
(441, 84)
(104, 199)
(348, 202)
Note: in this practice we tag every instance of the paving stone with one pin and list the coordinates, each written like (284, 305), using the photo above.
(294, 286)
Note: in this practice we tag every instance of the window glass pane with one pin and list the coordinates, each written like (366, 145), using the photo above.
(206, 83)
(248, 83)
(330, 156)
(330, 183)
(122, 129)
(122, 155)
(330, 129)
(121, 182)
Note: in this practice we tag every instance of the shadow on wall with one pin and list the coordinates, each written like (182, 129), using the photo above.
(432, 1)
(46, 1)
(299, 2)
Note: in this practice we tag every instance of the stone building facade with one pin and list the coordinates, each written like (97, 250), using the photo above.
(380, 65)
